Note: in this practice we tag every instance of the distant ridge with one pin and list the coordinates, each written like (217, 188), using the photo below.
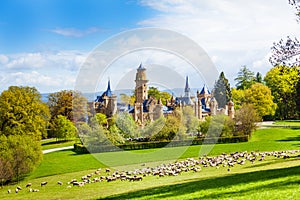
(177, 92)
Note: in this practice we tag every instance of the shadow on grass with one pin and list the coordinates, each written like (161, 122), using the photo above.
(290, 139)
(170, 191)
(56, 142)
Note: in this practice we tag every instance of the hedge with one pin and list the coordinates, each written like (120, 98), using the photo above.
(80, 148)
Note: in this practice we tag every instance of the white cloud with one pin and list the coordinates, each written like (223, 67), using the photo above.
(48, 71)
(70, 60)
(236, 32)
(73, 32)
(3, 59)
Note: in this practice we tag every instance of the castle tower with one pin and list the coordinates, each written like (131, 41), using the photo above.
(204, 96)
(141, 89)
(106, 103)
(141, 94)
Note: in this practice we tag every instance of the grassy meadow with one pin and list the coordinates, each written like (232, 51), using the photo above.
(272, 178)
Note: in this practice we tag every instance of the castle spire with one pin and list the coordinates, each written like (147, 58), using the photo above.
(187, 89)
(108, 90)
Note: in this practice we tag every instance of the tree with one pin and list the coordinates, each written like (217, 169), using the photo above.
(153, 127)
(261, 98)
(68, 103)
(283, 80)
(238, 97)
(64, 128)
(245, 119)
(258, 78)
(21, 154)
(189, 119)
(296, 5)
(102, 120)
(287, 52)
(222, 91)
(126, 124)
(173, 129)
(245, 78)
(127, 99)
(217, 126)
(155, 93)
(22, 112)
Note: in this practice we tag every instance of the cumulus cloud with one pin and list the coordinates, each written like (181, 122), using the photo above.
(48, 71)
(235, 32)
(70, 60)
(73, 32)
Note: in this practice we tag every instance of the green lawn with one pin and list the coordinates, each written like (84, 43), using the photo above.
(270, 179)
(53, 143)
(288, 123)
(68, 161)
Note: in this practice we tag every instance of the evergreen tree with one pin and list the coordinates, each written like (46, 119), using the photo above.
(258, 78)
(222, 91)
(245, 78)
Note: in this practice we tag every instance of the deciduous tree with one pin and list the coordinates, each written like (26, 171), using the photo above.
(283, 80)
(64, 128)
(22, 112)
(68, 103)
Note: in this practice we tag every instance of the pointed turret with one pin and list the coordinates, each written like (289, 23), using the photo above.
(187, 89)
(108, 90)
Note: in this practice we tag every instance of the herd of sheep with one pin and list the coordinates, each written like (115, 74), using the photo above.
(172, 169)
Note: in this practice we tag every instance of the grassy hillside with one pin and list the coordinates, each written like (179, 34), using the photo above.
(272, 178)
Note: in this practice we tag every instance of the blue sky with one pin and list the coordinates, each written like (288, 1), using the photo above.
(34, 25)
(43, 43)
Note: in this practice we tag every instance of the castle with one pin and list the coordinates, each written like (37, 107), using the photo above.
(149, 109)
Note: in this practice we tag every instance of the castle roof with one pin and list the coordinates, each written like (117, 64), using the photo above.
(205, 90)
(108, 90)
(187, 88)
(107, 93)
(141, 67)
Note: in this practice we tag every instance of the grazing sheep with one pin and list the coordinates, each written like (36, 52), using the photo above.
(107, 170)
(9, 191)
(44, 183)
(69, 186)
(30, 190)
(16, 190)
(35, 190)
(28, 184)
(19, 188)
(59, 183)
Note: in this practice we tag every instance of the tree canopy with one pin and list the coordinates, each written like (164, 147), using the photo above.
(245, 78)
(222, 91)
(71, 104)
(23, 120)
(22, 112)
(64, 128)
(261, 98)
(154, 92)
(283, 82)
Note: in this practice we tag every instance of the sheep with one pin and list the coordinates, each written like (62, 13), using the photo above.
(19, 188)
(107, 170)
(59, 183)
(44, 183)
(16, 190)
(36, 190)
(9, 191)
(28, 184)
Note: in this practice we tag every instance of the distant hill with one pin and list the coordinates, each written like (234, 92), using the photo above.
(177, 92)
